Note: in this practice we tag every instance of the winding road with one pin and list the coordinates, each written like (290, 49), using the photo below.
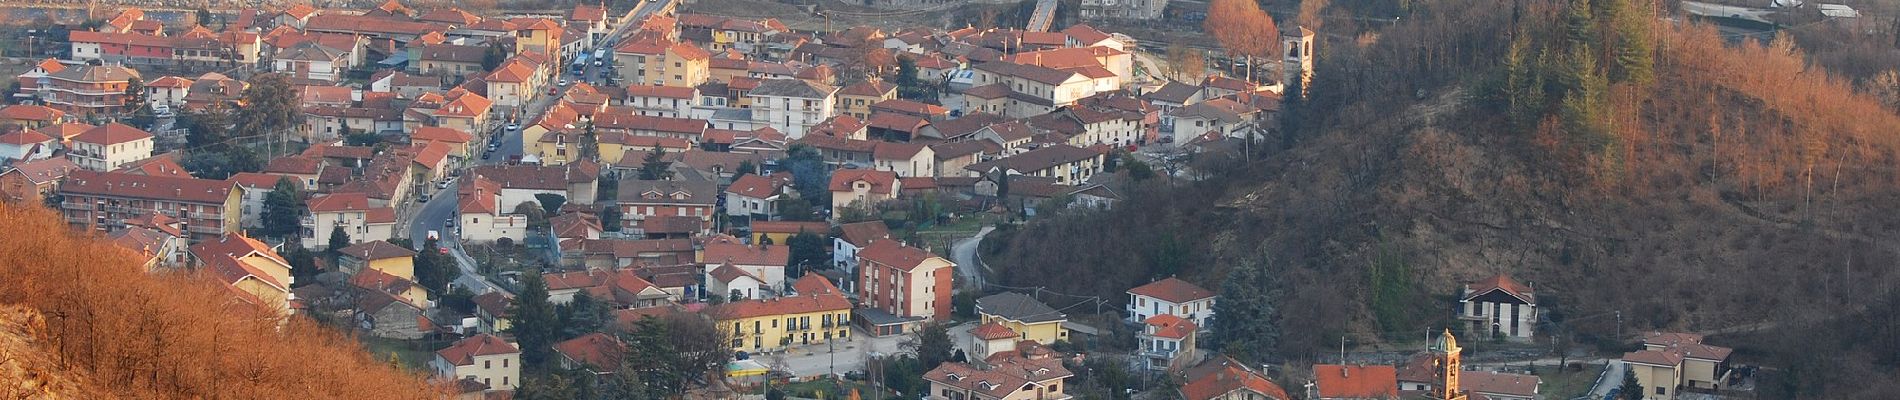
(963, 252)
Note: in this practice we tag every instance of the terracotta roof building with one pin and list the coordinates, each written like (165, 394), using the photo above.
(483, 357)
(103, 201)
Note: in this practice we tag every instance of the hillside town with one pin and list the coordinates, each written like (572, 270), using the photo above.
(501, 201)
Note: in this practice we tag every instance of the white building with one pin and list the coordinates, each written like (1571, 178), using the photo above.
(853, 237)
(1171, 296)
(1499, 306)
(481, 215)
(350, 211)
(110, 146)
(791, 105)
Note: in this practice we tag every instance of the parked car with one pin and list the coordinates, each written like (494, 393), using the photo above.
(514, 126)
(442, 184)
(564, 82)
(422, 198)
(449, 223)
(488, 154)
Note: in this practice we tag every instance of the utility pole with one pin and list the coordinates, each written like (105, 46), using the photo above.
(1619, 325)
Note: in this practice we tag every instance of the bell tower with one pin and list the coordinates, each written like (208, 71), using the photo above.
(1446, 364)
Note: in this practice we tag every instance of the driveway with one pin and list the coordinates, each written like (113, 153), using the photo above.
(839, 357)
(963, 252)
(1611, 379)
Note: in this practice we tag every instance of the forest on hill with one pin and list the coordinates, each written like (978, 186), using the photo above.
(1622, 163)
(87, 310)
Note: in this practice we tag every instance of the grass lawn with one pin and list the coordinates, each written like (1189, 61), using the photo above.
(407, 352)
(1567, 384)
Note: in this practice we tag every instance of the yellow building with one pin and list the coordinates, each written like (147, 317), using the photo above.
(775, 324)
(1029, 318)
(258, 275)
(781, 232)
(391, 261)
(539, 35)
(663, 63)
(856, 100)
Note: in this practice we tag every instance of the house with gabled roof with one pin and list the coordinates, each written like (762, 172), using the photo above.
(862, 188)
(754, 197)
(30, 182)
(1009, 379)
(1167, 342)
(351, 211)
(640, 200)
(485, 358)
(792, 105)
(250, 267)
(1224, 378)
(482, 215)
(853, 237)
(1499, 306)
(764, 262)
(1171, 296)
(1354, 382)
(596, 353)
(1672, 362)
(110, 146)
(1028, 317)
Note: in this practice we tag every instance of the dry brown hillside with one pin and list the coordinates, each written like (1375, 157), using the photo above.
(163, 336)
(1741, 189)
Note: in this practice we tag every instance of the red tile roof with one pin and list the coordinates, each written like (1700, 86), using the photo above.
(597, 351)
(992, 331)
(1219, 376)
(882, 182)
(376, 250)
(861, 233)
(119, 184)
(464, 351)
(42, 171)
(1501, 282)
(112, 133)
(728, 250)
(337, 202)
(1356, 381)
(754, 186)
(889, 252)
(801, 304)
(1172, 290)
(728, 273)
(29, 112)
(814, 284)
(1499, 383)
(24, 138)
(1170, 326)
(439, 134)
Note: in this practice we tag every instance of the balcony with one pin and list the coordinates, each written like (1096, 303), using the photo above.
(207, 216)
(77, 206)
(206, 229)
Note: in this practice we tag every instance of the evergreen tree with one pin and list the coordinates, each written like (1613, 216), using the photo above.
(808, 251)
(1633, 59)
(933, 345)
(135, 90)
(283, 208)
(338, 240)
(583, 315)
(270, 106)
(493, 56)
(1247, 325)
(655, 167)
(745, 167)
(550, 202)
(1585, 105)
(535, 323)
(610, 218)
(204, 17)
(1632, 390)
(433, 269)
(1580, 23)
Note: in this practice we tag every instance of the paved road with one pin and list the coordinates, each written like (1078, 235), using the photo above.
(963, 252)
(1612, 378)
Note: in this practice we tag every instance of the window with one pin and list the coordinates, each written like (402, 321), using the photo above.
(485, 364)
(1662, 390)
(504, 381)
(504, 363)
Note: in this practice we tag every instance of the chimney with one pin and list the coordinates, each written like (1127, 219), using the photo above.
(1345, 371)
